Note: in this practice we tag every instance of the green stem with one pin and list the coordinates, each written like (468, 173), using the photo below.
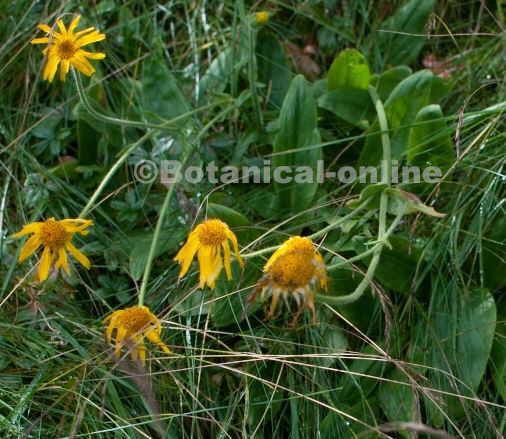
(313, 236)
(369, 275)
(386, 166)
(111, 172)
(156, 235)
(168, 125)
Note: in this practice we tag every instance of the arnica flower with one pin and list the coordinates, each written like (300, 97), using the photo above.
(56, 238)
(262, 17)
(210, 240)
(295, 271)
(131, 326)
(65, 48)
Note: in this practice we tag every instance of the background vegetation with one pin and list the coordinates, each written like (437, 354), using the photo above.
(421, 355)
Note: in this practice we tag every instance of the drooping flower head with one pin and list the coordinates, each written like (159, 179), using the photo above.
(130, 326)
(56, 238)
(295, 271)
(64, 48)
(210, 240)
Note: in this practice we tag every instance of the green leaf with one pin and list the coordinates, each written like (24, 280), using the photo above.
(293, 146)
(161, 96)
(464, 334)
(430, 142)
(141, 245)
(407, 37)
(272, 67)
(406, 100)
(349, 69)
(353, 105)
(398, 401)
(388, 80)
(227, 214)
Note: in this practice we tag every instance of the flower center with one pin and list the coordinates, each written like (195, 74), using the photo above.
(212, 232)
(53, 234)
(135, 319)
(66, 49)
(294, 269)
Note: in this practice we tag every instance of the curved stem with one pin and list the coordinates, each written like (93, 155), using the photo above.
(168, 125)
(368, 278)
(386, 166)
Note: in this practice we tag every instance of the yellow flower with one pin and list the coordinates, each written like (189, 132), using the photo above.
(262, 17)
(132, 325)
(65, 47)
(56, 238)
(211, 240)
(295, 270)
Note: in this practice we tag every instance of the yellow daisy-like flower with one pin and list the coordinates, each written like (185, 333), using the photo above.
(56, 238)
(210, 240)
(295, 270)
(131, 326)
(262, 17)
(65, 48)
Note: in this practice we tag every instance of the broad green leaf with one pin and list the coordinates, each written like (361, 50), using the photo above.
(460, 343)
(227, 214)
(406, 100)
(430, 142)
(349, 69)
(353, 105)
(402, 36)
(389, 79)
(398, 401)
(272, 67)
(296, 145)
(161, 96)
(141, 245)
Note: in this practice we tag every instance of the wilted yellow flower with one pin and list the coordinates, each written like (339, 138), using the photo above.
(56, 238)
(65, 47)
(262, 17)
(132, 325)
(295, 270)
(211, 240)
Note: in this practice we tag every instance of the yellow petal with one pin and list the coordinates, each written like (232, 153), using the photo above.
(64, 69)
(92, 55)
(154, 338)
(120, 335)
(83, 65)
(43, 40)
(92, 37)
(226, 257)
(233, 238)
(51, 66)
(81, 257)
(30, 246)
(63, 260)
(74, 23)
(29, 228)
(186, 254)
(45, 28)
(45, 264)
(62, 27)
(84, 31)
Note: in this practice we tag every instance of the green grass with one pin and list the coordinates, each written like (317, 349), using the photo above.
(421, 354)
